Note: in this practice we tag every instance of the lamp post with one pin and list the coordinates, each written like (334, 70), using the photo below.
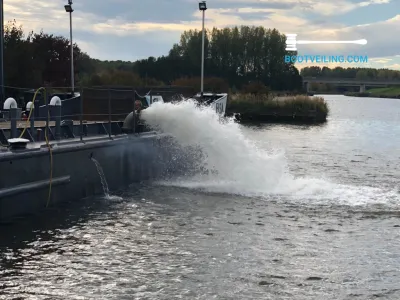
(69, 9)
(203, 8)
(2, 97)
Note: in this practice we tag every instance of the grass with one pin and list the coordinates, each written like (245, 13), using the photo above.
(388, 91)
(265, 104)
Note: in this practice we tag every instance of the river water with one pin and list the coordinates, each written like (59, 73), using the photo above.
(292, 212)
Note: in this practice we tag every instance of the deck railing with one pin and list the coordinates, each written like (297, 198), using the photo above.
(95, 110)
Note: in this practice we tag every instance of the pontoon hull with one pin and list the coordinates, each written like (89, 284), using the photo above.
(25, 175)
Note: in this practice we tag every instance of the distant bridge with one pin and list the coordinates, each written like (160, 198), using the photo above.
(362, 83)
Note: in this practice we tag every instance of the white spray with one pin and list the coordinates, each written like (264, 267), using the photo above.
(238, 166)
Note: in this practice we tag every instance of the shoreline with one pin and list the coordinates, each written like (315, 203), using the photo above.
(278, 118)
(371, 95)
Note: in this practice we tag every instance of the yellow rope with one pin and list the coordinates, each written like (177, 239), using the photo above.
(46, 138)
(30, 111)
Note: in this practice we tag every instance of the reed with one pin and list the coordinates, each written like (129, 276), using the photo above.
(267, 103)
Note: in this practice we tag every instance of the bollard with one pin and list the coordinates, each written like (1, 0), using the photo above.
(11, 105)
(30, 106)
(55, 104)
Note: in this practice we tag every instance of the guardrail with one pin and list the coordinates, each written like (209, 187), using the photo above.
(89, 111)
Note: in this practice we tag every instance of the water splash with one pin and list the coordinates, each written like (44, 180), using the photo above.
(104, 182)
(236, 165)
(102, 178)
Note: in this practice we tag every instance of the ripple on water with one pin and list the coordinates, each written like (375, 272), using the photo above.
(167, 250)
(334, 233)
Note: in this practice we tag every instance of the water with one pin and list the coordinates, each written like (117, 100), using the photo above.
(285, 212)
(104, 183)
(102, 178)
(258, 166)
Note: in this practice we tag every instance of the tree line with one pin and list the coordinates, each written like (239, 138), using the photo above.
(354, 73)
(244, 58)
(234, 58)
(239, 55)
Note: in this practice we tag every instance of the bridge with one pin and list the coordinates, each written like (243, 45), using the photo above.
(362, 83)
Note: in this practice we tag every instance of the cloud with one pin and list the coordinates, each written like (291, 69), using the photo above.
(381, 36)
(382, 62)
(319, 7)
(131, 29)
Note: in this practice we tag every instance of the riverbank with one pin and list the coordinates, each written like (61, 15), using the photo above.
(389, 92)
(283, 109)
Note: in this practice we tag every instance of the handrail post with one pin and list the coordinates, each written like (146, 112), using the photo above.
(109, 113)
(32, 121)
(133, 112)
(81, 115)
(57, 117)
(47, 111)
(13, 115)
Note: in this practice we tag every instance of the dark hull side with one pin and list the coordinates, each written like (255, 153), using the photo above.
(25, 176)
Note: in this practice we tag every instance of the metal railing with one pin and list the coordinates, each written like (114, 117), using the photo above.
(94, 110)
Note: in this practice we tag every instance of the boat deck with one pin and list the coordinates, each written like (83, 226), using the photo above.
(77, 141)
(66, 142)
(68, 132)
(39, 124)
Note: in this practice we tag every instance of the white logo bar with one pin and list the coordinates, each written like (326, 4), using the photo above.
(291, 42)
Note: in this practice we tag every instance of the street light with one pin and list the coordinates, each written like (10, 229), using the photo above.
(203, 8)
(202, 5)
(69, 9)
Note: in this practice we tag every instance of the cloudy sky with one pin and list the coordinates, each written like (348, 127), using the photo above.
(134, 29)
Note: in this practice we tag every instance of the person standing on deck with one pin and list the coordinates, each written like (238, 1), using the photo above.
(132, 122)
(138, 110)
(138, 107)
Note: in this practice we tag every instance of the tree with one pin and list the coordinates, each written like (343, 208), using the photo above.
(17, 57)
(239, 55)
(40, 59)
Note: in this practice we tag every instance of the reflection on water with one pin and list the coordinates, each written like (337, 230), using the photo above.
(163, 242)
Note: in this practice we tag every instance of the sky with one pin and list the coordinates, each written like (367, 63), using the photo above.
(135, 29)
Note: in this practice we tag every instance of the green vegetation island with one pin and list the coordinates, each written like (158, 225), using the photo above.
(277, 109)
(245, 62)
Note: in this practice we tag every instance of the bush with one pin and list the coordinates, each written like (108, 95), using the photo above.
(263, 104)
